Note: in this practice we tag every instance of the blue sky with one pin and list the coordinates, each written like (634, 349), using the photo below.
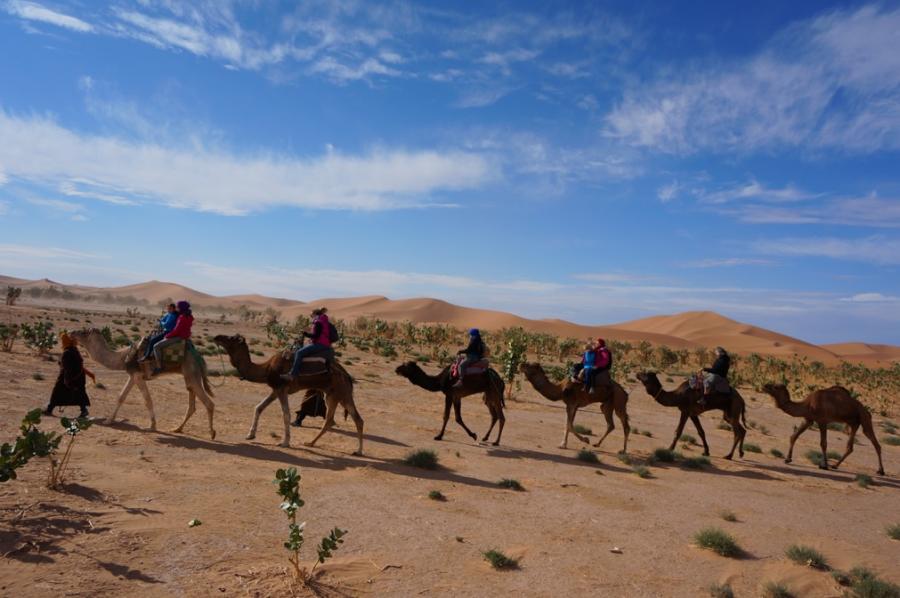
(588, 161)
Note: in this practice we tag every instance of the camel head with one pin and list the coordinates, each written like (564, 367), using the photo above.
(229, 342)
(407, 369)
(779, 392)
(648, 378)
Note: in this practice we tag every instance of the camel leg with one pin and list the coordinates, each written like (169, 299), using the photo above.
(447, 402)
(583, 439)
(800, 430)
(823, 440)
(330, 409)
(457, 404)
(870, 434)
(190, 411)
(570, 416)
(258, 411)
(148, 401)
(286, 414)
(493, 422)
(679, 430)
(502, 418)
(210, 410)
(621, 410)
(738, 431)
(350, 407)
(699, 426)
(122, 396)
(853, 429)
(607, 409)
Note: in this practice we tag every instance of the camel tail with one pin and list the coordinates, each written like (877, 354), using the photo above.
(499, 385)
(205, 375)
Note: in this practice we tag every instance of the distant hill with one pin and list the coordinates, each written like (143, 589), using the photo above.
(684, 330)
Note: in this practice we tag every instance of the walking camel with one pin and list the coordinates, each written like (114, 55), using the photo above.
(686, 399)
(193, 370)
(823, 407)
(336, 383)
(488, 383)
(613, 399)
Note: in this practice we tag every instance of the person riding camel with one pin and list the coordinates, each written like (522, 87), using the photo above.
(588, 361)
(321, 342)
(474, 353)
(595, 365)
(180, 333)
(715, 378)
(166, 325)
(70, 385)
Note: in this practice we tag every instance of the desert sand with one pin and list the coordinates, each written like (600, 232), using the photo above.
(120, 525)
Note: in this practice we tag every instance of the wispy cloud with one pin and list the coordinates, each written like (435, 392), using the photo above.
(216, 180)
(867, 212)
(877, 249)
(730, 262)
(667, 193)
(32, 11)
(871, 298)
(753, 190)
(826, 83)
(52, 253)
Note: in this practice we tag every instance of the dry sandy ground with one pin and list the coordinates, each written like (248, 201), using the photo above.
(121, 525)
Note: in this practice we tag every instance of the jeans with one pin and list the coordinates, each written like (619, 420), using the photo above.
(588, 377)
(307, 351)
(158, 348)
(152, 343)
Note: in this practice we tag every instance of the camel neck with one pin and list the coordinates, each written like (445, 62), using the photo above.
(420, 378)
(543, 385)
(252, 372)
(101, 353)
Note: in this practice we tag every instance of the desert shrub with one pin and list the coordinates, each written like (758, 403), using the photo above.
(288, 481)
(865, 584)
(728, 516)
(815, 457)
(39, 337)
(437, 495)
(647, 433)
(587, 456)
(893, 531)
(625, 458)
(8, 335)
(37, 376)
(721, 591)
(663, 455)
(513, 357)
(752, 448)
(687, 438)
(712, 538)
(776, 453)
(423, 459)
(696, 462)
(583, 430)
(863, 480)
(891, 440)
(73, 427)
(724, 425)
(776, 590)
(498, 560)
(805, 555)
(511, 484)
(31, 442)
(13, 294)
(641, 472)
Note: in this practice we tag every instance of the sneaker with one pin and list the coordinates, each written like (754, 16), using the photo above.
(591, 391)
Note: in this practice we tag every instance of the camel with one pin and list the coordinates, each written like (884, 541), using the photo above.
(193, 370)
(822, 407)
(686, 399)
(336, 383)
(488, 383)
(575, 397)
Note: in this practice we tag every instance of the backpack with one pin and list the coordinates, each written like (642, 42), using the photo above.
(333, 334)
(609, 365)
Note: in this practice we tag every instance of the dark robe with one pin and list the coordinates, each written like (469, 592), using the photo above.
(69, 388)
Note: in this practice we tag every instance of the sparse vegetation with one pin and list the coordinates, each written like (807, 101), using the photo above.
(37, 376)
(8, 335)
(587, 456)
(511, 484)
(776, 453)
(865, 584)
(752, 448)
(728, 516)
(696, 462)
(721, 591)
(687, 439)
(39, 337)
(642, 472)
(815, 457)
(805, 555)
(583, 430)
(712, 538)
(498, 560)
(31, 442)
(893, 531)
(863, 480)
(891, 440)
(774, 589)
(663, 455)
(437, 495)
(423, 459)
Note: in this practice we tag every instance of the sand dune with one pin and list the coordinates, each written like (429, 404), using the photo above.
(686, 330)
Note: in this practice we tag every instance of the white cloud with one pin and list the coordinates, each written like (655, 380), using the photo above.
(832, 82)
(57, 205)
(338, 72)
(727, 262)
(609, 277)
(215, 180)
(50, 253)
(871, 298)
(32, 11)
(875, 249)
(756, 191)
(667, 193)
(3, 178)
(871, 212)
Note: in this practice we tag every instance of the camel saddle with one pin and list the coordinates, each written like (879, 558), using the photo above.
(310, 366)
(479, 367)
(172, 358)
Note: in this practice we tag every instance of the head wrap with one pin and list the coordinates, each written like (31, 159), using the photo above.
(66, 340)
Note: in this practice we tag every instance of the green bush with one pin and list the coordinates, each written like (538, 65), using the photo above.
(752, 448)
(39, 337)
(641, 471)
(721, 543)
(498, 560)
(776, 590)
(804, 555)
(815, 457)
(511, 484)
(587, 456)
(423, 459)
(728, 516)
(721, 591)
(891, 440)
(663, 455)
(437, 495)
(776, 453)
(696, 462)
(893, 531)
(863, 480)
(582, 430)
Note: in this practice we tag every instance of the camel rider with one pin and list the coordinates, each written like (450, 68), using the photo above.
(715, 378)
(321, 342)
(588, 362)
(181, 332)
(602, 365)
(473, 354)
(166, 325)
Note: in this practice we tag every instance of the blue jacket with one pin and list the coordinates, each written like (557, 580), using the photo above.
(168, 322)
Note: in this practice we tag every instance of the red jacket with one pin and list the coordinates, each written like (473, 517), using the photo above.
(182, 327)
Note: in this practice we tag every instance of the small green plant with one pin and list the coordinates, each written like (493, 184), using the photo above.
(8, 335)
(891, 440)
(39, 337)
(752, 448)
(841, 578)
(73, 427)
(647, 433)
(723, 425)
(437, 495)
(37, 376)
(688, 439)
(696, 462)
(774, 589)
(625, 458)
(721, 591)
(815, 457)
(423, 459)
(587, 456)
(511, 484)
(805, 555)
(641, 471)
(776, 453)
(583, 430)
(863, 480)
(288, 481)
(728, 516)
(893, 531)
(712, 538)
(865, 584)
(498, 560)
(31, 442)
(663, 455)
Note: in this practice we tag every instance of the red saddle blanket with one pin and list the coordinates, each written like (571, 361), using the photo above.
(479, 367)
